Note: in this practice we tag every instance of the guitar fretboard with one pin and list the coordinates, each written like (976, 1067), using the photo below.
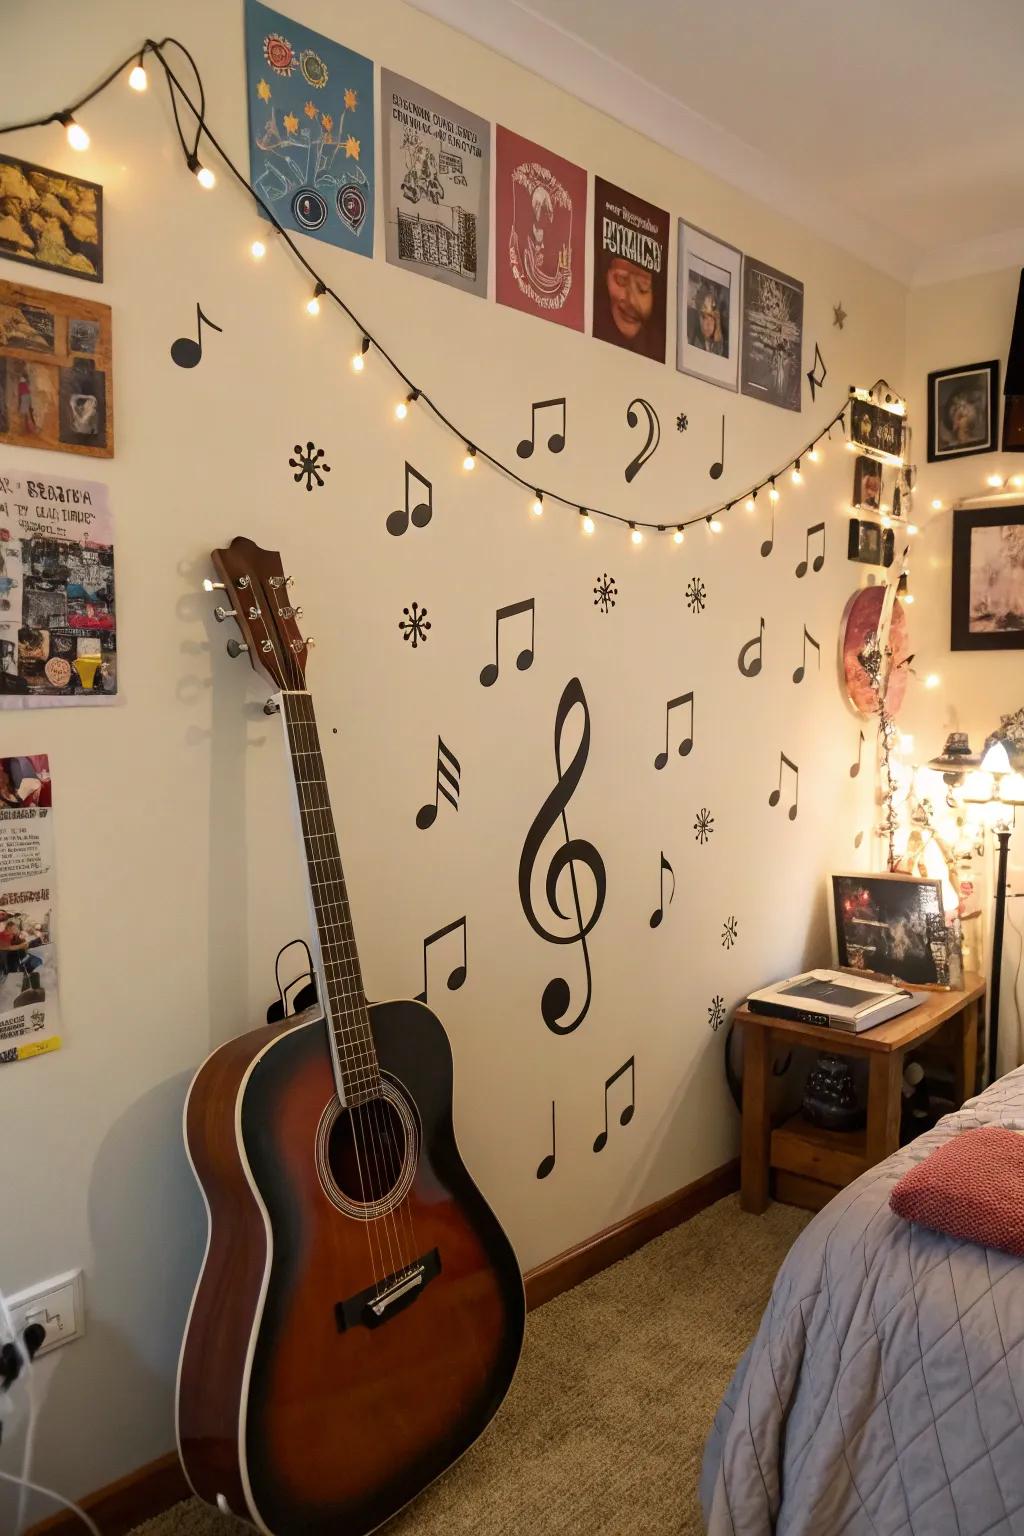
(345, 1000)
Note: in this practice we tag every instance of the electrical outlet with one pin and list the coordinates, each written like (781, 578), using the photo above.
(59, 1304)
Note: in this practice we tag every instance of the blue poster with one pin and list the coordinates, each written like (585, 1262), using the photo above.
(311, 120)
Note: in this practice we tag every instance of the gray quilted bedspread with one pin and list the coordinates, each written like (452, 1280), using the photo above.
(884, 1392)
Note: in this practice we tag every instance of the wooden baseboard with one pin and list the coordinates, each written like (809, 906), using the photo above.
(588, 1258)
(150, 1490)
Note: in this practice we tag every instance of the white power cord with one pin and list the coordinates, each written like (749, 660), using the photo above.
(23, 1482)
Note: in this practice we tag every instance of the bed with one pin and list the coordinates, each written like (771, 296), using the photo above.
(884, 1392)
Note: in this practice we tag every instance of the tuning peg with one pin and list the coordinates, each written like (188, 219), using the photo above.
(212, 586)
(220, 614)
(271, 707)
(236, 647)
(281, 581)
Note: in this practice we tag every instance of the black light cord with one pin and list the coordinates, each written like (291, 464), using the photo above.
(323, 289)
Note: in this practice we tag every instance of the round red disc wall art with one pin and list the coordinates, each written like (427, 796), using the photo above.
(860, 621)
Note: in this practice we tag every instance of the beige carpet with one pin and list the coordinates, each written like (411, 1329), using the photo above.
(603, 1430)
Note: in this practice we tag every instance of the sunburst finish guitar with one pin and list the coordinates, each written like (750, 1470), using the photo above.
(360, 1311)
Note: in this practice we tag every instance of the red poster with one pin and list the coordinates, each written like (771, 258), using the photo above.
(540, 229)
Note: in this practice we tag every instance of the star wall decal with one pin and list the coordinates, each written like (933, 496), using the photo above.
(838, 314)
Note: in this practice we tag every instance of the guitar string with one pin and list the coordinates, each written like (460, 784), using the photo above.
(289, 667)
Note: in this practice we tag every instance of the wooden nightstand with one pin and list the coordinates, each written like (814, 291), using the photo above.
(811, 1164)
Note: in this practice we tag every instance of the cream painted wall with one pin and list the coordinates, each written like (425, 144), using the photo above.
(948, 325)
(178, 874)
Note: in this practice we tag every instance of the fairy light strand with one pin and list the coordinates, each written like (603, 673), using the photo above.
(541, 495)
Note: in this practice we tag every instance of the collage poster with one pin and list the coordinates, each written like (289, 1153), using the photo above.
(540, 230)
(29, 1011)
(311, 125)
(58, 629)
(437, 179)
(630, 271)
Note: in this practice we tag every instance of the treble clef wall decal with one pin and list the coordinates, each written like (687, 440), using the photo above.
(556, 999)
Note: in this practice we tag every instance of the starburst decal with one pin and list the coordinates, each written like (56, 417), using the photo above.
(682, 421)
(704, 826)
(716, 1012)
(415, 625)
(307, 465)
(730, 932)
(291, 122)
(696, 595)
(838, 314)
(351, 100)
(263, 91)
(326, 122)
(605, 593)
(351, 148)
(311, 109)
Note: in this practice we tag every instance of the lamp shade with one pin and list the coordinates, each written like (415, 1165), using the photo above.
(978, 787)
(996, 759)
(1011, 789)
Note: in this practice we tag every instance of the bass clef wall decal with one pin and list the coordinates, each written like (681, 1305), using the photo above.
(636, 464)
(556, 999)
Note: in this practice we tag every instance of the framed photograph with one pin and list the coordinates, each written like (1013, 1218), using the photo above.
(870, 543)
(773, 335)
(51, 220)
(894, 927)
(867, 483)
(963, 411)
(987, 609)
(56, 386)
(877, 429)
(708, 307)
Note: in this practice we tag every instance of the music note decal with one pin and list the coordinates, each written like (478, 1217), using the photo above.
(547, 1163)
(457, 974)
(636, 464)
(556, 442)
(448, 782)
(556, 999)
(855, 767)
(601, 1139)
(798, 675)
(717, 467)
(819, 560)
(659, 913)
(752, 668)
(489, 674)
(858, 839)
(686, 742)
(420, 514)
(769, 543)
(186, 352)
(776, 794)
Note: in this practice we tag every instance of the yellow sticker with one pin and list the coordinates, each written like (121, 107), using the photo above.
(39, 1047)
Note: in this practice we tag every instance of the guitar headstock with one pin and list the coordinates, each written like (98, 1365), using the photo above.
(254, 580)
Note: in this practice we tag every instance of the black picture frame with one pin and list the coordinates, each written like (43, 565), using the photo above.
(979, 383)
(999, 626)
(893, 927)
(80, 251)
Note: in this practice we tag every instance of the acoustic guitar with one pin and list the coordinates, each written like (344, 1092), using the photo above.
(359, 1314)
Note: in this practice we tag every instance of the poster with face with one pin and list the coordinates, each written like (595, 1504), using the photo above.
(540, 226)
(310, 129)
(437, 177)
(630, 270)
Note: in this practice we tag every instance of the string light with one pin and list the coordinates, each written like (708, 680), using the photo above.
(137, 79)
(469, 462)
(202, 173)
(912, 529)
(313, 307)
(796, 477)
(932, 680)
(936, 505)
(257, 250)
(636, 535)
(814, 456)
(713, 524)
(1017, 481)
(995, 481)
(679, 535)
(773, 494)
(749, 503)
(359, 358)
(538, 505)
(77, 136)
(402, 408)
(588, 521)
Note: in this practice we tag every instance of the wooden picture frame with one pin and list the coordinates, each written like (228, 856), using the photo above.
(987, 600)
(963, 411)
(56, 374)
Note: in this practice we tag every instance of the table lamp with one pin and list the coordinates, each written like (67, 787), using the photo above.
(995, 784)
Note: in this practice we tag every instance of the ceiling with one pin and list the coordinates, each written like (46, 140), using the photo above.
(896, 127)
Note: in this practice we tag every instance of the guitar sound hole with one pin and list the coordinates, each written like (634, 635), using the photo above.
(366, 1151)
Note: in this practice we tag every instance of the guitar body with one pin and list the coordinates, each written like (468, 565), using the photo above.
(360, 1311)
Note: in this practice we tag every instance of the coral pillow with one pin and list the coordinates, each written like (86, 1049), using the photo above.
(971, 1187)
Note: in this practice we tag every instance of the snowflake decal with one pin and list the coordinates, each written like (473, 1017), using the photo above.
(730, 932)
(415, 625)
(704, 826)
(696, 595)
(605, 593)
(716, 1012)
(307, 465)
(682, 421)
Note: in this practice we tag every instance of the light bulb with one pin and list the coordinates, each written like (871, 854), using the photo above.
(313, 307)
(886, 522)
(358, 363)
(678, 536)
(936, 505)
(205, 177)
(1017, 481)
(851, 447)
(773, 494)
(538, 505)
(749, 504)
(588, 523)
(469, 462)
(932, 680)
(814, 456)
(995, 481)
(636, 536)
(401, 410)
(714, 525)
(796, 476)
(257, 250)
(77, 136)
(137, 79)
(912, 528)
(908, 597)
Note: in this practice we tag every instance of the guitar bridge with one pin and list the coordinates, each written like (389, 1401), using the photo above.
(378, 1304)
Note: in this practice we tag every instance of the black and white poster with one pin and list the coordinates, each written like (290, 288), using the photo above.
(437, 176)
(773, 333)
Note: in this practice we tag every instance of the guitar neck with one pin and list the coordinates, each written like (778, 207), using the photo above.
(341, 989)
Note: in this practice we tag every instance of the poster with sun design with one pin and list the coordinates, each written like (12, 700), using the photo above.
(311, 122)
